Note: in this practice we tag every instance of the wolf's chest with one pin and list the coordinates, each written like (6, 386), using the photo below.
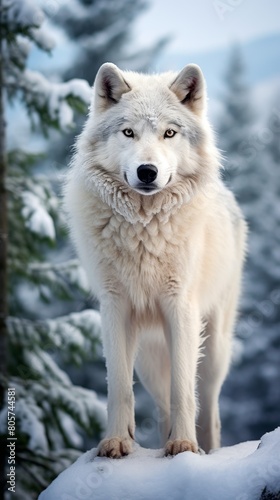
(138, 240)
(142, 258)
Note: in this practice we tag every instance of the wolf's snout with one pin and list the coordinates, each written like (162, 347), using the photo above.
(147, 173)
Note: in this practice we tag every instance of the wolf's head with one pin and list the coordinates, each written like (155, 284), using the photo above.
(149, 131)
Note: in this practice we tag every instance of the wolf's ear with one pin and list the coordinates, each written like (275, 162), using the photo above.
(190, 88)
(109, 86)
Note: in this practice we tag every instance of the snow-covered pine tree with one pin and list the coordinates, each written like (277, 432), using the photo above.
(248, 172)
(237, 117)
(271, 223)
(49, 409)
(273, 128)
(235, 130)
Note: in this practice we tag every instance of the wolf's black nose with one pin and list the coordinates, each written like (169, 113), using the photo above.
(147, 173)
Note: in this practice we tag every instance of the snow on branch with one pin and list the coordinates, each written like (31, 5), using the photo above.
(77, 335)
(67, 277)
(48, 414)
(23, 14)
(37, 219)
(52, 103)
(25, 18)
(82, 404)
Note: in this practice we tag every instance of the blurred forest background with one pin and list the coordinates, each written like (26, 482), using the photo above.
(50, 344)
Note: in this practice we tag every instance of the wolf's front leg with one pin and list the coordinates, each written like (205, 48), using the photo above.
(182, 326)
(119, 348)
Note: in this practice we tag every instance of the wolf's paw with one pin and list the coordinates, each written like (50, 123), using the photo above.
(115, 447)
(180, 445)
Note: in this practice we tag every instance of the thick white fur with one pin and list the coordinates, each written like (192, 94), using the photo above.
(166, 266)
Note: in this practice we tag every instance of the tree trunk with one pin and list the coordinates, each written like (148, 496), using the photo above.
(3, 257)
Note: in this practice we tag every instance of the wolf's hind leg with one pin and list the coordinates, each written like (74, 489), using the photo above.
(153, 368)
(212, 371)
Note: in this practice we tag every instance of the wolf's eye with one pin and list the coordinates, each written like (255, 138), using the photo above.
(169, 133)
(128, 132)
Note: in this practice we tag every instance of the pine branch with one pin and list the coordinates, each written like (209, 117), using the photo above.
(67, 442)
(34, 461)
(36, 456)
(34, 477)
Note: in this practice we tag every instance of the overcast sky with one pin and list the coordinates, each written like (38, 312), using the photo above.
(199, 25)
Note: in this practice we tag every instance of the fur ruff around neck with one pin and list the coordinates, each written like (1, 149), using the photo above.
(135, 207)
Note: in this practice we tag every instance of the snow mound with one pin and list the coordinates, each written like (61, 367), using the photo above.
(238, 472)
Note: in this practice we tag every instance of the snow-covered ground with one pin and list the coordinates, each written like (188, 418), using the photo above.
(239, 472)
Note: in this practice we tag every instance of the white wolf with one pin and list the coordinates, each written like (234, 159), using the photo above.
(162, 241)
